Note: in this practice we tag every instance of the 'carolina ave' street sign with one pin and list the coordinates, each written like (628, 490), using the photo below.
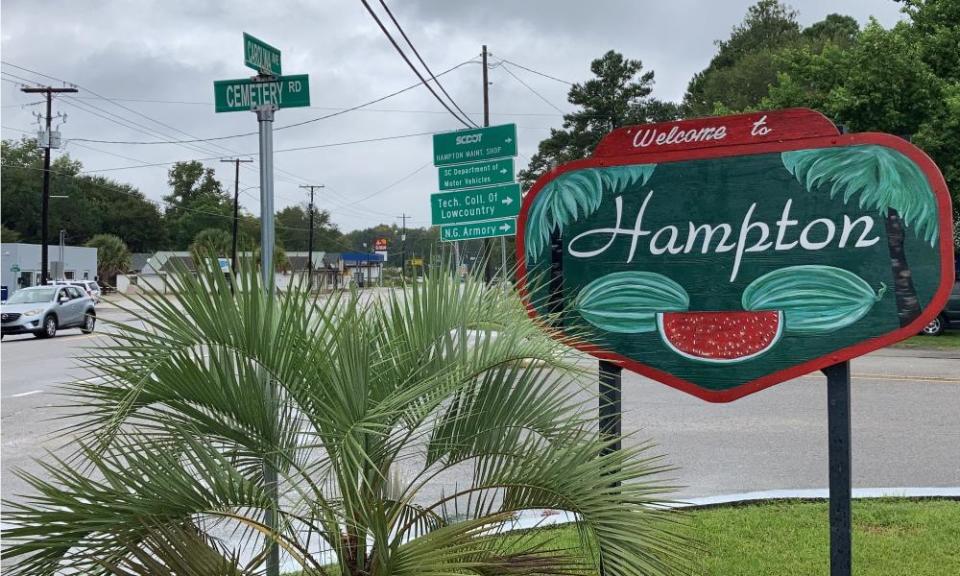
(723, 255)
(475, 144)
(244, 94)
(477, 204)
(260, 56)
(476, 174)
(474, 230)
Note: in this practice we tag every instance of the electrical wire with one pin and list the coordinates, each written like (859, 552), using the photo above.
(422, 62)
(242, 134)
(528, 87)
(468, 122)
(568, 83)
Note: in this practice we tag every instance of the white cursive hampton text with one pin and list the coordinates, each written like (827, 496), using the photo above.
(752, 236)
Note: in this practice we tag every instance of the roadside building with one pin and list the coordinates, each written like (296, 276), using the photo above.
(362, 268)
(21, 265)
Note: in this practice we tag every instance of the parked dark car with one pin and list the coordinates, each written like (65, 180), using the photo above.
(949, 317)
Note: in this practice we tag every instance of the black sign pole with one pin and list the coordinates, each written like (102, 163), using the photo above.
(838, 423)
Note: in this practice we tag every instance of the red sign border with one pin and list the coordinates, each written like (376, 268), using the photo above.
(930, 170)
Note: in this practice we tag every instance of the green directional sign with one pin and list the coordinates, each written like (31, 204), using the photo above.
(473, 205)
(474, 230)
(477, 144)
(260, 56)
(476, 174)
(244, 94)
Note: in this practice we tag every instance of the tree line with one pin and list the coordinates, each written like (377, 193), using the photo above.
(904, 80)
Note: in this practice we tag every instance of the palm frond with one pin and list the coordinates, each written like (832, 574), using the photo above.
(575, 195)
(879, 177)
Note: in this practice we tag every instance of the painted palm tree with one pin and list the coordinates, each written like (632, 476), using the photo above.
(575, 195)
(367, 410)
(883, 180)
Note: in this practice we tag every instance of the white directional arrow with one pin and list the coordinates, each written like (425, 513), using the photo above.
(505, 227)
(508, 201)
(503, 170)
(508, 140)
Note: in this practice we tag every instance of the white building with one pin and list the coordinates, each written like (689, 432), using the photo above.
(21, 264)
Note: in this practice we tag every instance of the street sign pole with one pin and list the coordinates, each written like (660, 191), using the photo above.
(265, 121)
(838, 424)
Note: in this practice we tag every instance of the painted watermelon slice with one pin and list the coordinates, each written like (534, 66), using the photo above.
(720, 337)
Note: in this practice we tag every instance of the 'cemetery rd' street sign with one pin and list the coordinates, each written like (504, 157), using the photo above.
(476, 204)
(475, 144)
(261, 56)
(474, 230)
(245, 94)
(723, 255)
(476, 174)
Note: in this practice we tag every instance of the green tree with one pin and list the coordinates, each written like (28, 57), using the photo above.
(211, 243)
(93, 205)
(8, 235)
(366, 407)
(113, 257)
(196, 202)
(293, 229)
(738, 75)
(618, 95)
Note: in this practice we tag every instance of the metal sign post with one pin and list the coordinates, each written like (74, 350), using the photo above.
(838, 424)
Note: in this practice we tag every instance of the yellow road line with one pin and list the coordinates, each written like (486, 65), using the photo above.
(903, 378)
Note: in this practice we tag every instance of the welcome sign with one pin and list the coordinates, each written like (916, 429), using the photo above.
(724, 255)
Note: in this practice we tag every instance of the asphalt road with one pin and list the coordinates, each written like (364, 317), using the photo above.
(905, 411)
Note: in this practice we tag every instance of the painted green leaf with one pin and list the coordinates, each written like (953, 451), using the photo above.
(575, 195)
(628, 302)
(814, 299)
(880, 177)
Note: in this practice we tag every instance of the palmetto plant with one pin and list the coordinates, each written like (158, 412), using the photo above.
(366, 409)
(880, 179)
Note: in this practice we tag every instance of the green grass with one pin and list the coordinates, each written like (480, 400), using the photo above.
(891, 537)
(949, 340)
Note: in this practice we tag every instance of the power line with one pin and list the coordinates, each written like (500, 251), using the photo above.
(528, 87)
(243, 134)
(468, 123)
(427, 68)
(568, 83)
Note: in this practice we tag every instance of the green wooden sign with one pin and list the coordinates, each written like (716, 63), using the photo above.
(722, 274)
(473, 145)
(476, 174)
(474, 230)
(260, 56)
(243, 94)
(477, 204)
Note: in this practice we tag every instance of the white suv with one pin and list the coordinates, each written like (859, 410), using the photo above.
(89, 286)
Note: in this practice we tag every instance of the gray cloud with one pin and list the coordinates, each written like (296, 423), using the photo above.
(174, 50)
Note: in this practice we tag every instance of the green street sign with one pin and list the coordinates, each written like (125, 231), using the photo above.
(15, 268)
(474, 230)
(260, 56)
(473, 205)
(472, 145)
(244, 94)
(476, 174)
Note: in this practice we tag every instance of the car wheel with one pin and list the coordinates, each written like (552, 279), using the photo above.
(934, 328)
(49, 329)
(89, 321)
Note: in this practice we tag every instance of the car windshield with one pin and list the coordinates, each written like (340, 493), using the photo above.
(32, 296)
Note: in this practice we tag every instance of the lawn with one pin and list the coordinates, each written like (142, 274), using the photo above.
(949, 340)
(891, 537)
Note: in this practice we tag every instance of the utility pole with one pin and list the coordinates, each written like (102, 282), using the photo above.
(310, 241)
(47, 143)
(403, 246)
(236, 200)
(487, 242)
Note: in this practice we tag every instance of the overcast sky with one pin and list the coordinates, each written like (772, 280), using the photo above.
(156, 62)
